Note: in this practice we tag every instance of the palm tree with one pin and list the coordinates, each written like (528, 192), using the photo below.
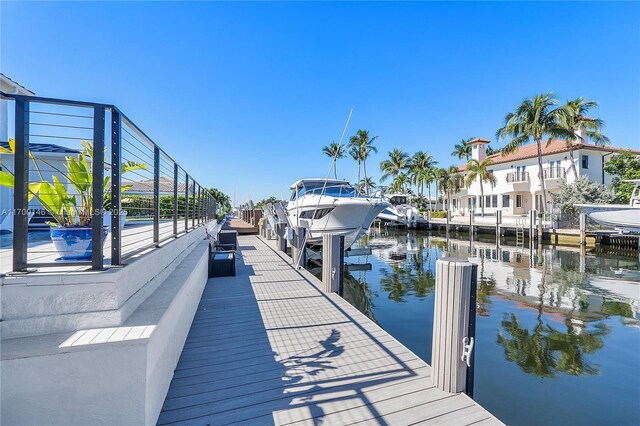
(397, 163)
(422, 170)
(536, 118)
(480, 169)
(364, 143)
(354, 152)
(335, 151)
(582, 126)
(449, 180)
(462, 149)
(398, 184)
(367, 183)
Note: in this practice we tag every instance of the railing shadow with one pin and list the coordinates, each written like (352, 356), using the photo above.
(232, 369)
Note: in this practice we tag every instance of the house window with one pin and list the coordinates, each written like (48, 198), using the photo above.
(487, 200)
(506, 201)
(585, 161)
(481, 202)
(519, 201)
(494, 199)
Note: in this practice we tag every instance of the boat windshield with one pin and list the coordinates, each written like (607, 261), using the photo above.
(332, 190)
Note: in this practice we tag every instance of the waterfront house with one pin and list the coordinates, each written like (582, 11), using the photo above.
(518, 189)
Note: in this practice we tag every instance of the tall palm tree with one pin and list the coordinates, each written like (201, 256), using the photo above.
(364, 143)
(397, 163)
(422, 170)
(335, 151)
(535, 118)
(354, 152)
(462, 150)
(582, 127)
(480, 170)
(449, 180)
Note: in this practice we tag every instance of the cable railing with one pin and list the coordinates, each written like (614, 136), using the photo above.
(82, 184)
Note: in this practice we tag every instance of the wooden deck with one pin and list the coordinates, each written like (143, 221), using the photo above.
(241, 226)
(268, 347)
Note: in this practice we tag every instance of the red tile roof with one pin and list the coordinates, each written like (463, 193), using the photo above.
(554, 147)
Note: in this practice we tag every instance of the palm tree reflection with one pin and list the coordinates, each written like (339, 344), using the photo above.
(546, 352)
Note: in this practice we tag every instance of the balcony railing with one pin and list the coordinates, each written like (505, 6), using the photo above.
(516, 177)
(136, 180)
(554, 173)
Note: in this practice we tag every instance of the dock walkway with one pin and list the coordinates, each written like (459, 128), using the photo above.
(268, 347)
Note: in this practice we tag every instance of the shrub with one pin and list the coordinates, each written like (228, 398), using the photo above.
(580, 192)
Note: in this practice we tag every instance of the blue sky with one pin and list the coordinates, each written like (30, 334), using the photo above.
(245, 95)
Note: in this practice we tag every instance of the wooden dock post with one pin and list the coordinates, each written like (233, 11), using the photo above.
(298, 247)
(471, 214)
(333, 263)
(583, 229)
(282, 241)
(498, 223)
(454, 325)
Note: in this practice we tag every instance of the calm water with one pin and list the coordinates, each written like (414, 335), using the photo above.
(558, 333)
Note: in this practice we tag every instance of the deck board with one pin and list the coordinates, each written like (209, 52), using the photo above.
(268, 347)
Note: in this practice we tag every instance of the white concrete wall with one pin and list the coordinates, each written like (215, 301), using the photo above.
(38, 304)
(115, 375)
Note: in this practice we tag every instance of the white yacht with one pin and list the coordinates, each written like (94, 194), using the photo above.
(625, 218)
(399, 212)
(327, 205)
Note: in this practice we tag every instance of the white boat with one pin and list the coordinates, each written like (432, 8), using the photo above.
(331, 206)
(399, 212)
(625, 218)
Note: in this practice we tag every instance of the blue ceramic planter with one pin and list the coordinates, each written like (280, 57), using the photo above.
(74, 243)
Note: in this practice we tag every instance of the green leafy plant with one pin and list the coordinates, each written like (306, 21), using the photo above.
(67, 209)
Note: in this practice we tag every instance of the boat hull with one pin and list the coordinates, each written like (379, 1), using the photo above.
(349, 217)
(626, 218)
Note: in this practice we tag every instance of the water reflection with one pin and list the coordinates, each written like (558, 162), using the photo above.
(564, 315)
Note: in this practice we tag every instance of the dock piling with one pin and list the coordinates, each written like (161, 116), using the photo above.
(454, 325)
(533, 214)
(333, 263)
(298, 247)
(583, 229)
(280, 234)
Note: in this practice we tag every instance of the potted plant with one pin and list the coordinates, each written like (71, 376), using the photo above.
(72, 213)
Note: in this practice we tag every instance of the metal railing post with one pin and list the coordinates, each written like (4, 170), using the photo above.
(193, 198)
(21, 185)
(156, 194)
(186, 201)
(116, 187)
(175, 199)
(97, 259)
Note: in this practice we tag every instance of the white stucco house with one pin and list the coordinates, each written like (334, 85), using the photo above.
(518, 188)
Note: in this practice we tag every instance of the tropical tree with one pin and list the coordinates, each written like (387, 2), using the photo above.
(536, 119)
(364, 144)
(582, 127)
(462, 150)
(449, 181)
(354, 152)
(365, 184)
(422, 170)
(623, 166)
(399, 183)
(480, 170)
(336, 151)
(397, 163)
